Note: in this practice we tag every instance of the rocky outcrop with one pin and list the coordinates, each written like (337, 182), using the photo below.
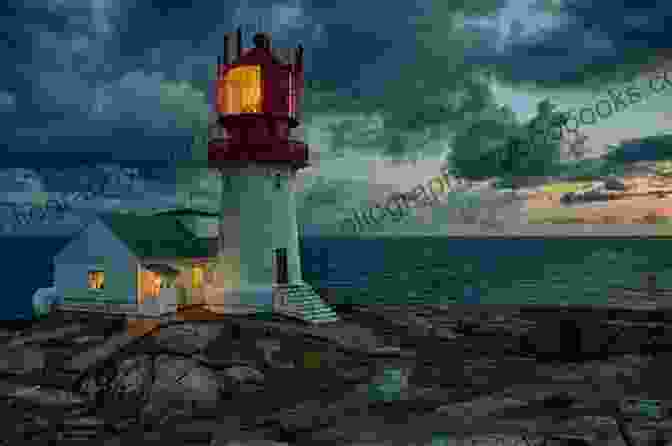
(188, 338)
(212, 384)
(180, 383)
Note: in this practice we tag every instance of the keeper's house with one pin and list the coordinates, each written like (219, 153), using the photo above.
(151, 265)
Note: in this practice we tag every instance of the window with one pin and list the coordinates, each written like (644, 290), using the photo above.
(197, 276)
(96, 280)
(278, 181)
(240, 91)
(156, 288)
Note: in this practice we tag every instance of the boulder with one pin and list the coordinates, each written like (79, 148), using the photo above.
(271, 349)
(244, 375)
(134, 379)
(187, 338)
(91, 386)
(613, 183)
(594, 195)
(21, 360)
(568, 197)
(184, 382)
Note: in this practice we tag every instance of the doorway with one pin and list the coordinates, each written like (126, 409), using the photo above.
(281, 270)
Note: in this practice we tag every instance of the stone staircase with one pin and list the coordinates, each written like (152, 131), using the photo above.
(301, 301)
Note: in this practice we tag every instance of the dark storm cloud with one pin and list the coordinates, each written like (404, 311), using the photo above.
(89, 72)
(76, 97)
(598, 41)
(93, 68)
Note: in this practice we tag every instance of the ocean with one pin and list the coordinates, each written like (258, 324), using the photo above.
(26, 266)
(418, 269)
(483, 270)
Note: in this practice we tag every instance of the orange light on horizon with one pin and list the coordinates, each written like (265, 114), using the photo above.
(664, 212)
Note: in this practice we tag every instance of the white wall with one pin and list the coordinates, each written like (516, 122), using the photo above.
(96, 247)
(259, 218)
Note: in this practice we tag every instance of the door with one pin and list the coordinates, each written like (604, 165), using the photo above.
(281, 270)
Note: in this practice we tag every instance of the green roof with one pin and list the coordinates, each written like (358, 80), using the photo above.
(157, 236)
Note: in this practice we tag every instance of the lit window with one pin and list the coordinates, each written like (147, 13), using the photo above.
(157, 285)
(240, 90)
(197, 277)
(151, 284)
(96, 280)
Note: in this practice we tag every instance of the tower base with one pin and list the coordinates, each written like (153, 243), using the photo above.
(302, 302)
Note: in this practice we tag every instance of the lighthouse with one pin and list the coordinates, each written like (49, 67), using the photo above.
(255, 145)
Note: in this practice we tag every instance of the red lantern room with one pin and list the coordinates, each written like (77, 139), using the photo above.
(257, 104)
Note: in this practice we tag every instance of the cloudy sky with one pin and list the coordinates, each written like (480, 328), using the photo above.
(101, 81)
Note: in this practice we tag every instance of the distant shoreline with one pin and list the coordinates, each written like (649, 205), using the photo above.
(555, 230)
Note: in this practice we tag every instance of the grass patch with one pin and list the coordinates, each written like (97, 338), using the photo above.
(553, 215)
(560, 220)
(564, 187)
(663, 168)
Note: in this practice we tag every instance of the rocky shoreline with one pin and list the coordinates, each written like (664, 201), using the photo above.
(384, 375)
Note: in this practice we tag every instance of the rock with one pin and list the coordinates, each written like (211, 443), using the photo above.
(90, 386)
(479, 407)
(244, 375)
(613, 183)
(88, 339)
(269, 347)
(356, 375)
(244, 439)
(30, 337)
(595, 195)
(21, 360)
(207, 331)
(445, 333)
(184, 382)
(629, 342)
(239, 379)
(597, 185)
(188, 338)
(568, 198)
(134, 379)
(50, 397)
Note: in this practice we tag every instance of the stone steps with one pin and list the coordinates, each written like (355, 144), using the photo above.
(301, 301)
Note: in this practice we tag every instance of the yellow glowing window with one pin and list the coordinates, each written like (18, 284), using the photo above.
(240, 90)
(96, 280)
(197, 276)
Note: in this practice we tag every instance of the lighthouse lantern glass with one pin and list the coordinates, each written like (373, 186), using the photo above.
(240, 90)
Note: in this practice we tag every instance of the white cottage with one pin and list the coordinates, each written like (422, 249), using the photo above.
(152, 264)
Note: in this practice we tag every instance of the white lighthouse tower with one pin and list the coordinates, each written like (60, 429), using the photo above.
(254, 144)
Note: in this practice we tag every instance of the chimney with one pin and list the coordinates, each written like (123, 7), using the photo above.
(227, 48)
(239, 42)
(299, 56)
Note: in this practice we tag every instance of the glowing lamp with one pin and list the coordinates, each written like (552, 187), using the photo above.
(257, 104)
